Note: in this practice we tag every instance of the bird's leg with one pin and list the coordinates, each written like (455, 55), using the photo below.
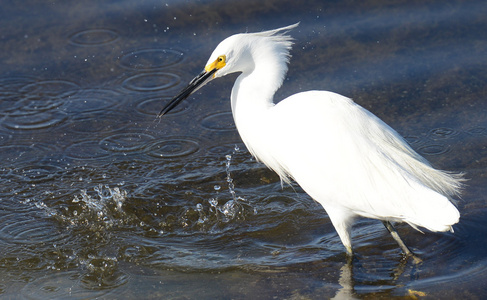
(397, 238)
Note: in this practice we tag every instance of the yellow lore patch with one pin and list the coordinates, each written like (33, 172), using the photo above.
(219, 63)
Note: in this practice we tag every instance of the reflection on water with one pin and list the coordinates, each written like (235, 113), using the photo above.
(101, 199)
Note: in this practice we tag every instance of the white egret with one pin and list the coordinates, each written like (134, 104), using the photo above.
(342, 155)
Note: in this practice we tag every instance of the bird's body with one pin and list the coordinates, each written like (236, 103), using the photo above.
(343, 156)
(359, 166)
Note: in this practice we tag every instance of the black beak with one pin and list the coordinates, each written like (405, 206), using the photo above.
(199, 81)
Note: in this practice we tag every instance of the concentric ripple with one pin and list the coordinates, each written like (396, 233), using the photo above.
(221, 121)
(29, 229)
(434, 149)
(127, 142)
(35, 121)
(152, 106)
(173, 147)
(91, 100)
(443, 132)
(86, 150)
(148, 59)
(477, 131)
(93, 37)
(149, 82)
(43, 96)
(51, 88)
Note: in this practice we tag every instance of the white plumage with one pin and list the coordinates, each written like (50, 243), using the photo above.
(343, 156)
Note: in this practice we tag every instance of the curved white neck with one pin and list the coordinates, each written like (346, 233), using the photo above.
(253, 92)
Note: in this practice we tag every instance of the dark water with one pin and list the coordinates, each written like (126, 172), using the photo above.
(98, 199)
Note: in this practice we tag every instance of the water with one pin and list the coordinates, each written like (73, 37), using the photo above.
(98, 199)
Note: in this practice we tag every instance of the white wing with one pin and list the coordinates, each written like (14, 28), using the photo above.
(345, 157)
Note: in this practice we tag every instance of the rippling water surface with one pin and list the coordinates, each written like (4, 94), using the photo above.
(99, 199)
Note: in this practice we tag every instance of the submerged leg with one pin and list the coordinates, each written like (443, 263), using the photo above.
(403, 246)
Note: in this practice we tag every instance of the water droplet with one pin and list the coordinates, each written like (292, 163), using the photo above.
(213, 202)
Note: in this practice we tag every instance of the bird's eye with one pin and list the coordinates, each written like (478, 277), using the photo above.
(220, 58)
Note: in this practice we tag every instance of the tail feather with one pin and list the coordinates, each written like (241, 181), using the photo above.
(435, 213)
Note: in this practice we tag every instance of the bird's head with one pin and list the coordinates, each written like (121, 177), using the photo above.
(232, 55)
(236, 54)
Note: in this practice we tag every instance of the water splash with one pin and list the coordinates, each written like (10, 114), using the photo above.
(234, 209)
(96, 219)
(91, 223)
(92, 211)
(105, 206)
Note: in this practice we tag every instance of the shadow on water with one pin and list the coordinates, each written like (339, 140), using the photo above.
(101, 200)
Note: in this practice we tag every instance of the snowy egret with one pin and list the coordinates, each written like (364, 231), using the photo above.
(342, 155)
